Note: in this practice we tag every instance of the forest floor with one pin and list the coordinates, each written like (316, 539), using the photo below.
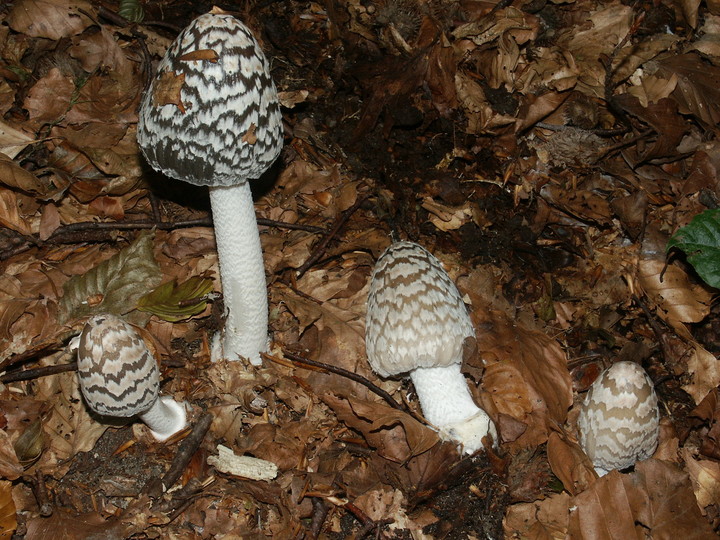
(545, 152)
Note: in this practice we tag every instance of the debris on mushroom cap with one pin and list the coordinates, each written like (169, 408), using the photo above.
(211, 116)
(415, 315)
(619, 418)
(118, 375)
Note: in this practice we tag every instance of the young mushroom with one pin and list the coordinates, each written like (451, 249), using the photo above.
(119, 377)
(619, 418)
(211, 117)
(417, 323)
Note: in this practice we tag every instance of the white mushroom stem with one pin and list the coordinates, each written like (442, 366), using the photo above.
(447, 404)
(242, 272)
(165, 418)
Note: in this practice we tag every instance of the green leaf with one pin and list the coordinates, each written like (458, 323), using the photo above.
(173, 302)
(700, 240)
(115, 285)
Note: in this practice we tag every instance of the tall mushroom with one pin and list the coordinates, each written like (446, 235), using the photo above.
(619, 418)
(119, 377)
(417, 323)
(211, 117)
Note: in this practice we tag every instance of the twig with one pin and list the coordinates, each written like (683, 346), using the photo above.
(322, 246)
(28, 374)
(44, 347)
(98, 231)
(320, 512)
(369, 524)
(168, 225)
(343, 373)
(187, 449)
(41, 494)
(182, 497)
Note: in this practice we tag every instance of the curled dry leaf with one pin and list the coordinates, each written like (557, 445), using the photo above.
(705, 371)
(14, 176)
(677, 298)
(526, 377)
(705, 476)
(396, 435)
(569, 463)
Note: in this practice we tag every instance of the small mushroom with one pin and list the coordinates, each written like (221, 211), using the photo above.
(417, 323)
(619, 418)
(211, 117)
(119, 377)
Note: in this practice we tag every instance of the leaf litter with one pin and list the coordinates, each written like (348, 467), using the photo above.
(546, 152)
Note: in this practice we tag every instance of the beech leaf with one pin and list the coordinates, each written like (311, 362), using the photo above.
(115, 285)
(172, 302)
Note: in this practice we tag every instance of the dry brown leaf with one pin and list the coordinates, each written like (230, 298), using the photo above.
(599, 35)
(49, 221)
(705, 476)
(8, 519)
(698, 87)
(705, 371)
(539, 520)
(50, 98)
(69, 427)
(395, 435)
(584, 204)
(10, 468)
(670, 289)
(68, 526)
(100, 50)
(569, 463)
(52, 19)
(658, 496)
(10, 213)
(12, 141)
(526, 377)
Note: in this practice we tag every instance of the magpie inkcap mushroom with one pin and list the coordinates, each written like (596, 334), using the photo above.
(417, 323)
(119, 377)
(211, 117)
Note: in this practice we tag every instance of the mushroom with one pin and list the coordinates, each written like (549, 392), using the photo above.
(619, 418)
(119, 377)
(417, 323)
(211, 117)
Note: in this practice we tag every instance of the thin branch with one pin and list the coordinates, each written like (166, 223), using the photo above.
(98, 231)
(343, 373)
(28, 374)
(322, 246)
(187, 449)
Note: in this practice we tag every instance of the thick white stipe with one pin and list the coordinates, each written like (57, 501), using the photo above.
(165, 418)
(242, 272)
(447, 404)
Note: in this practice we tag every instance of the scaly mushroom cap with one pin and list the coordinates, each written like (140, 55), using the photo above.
(619, 418)
(211, 116)
(415, 315)
(118, 375)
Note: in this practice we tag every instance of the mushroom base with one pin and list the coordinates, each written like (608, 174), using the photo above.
(165, 418)
(447, 404)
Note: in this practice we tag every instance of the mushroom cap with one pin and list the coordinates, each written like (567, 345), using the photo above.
(118, 374)
(619, 419)
(211, 116)
(415, 314)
